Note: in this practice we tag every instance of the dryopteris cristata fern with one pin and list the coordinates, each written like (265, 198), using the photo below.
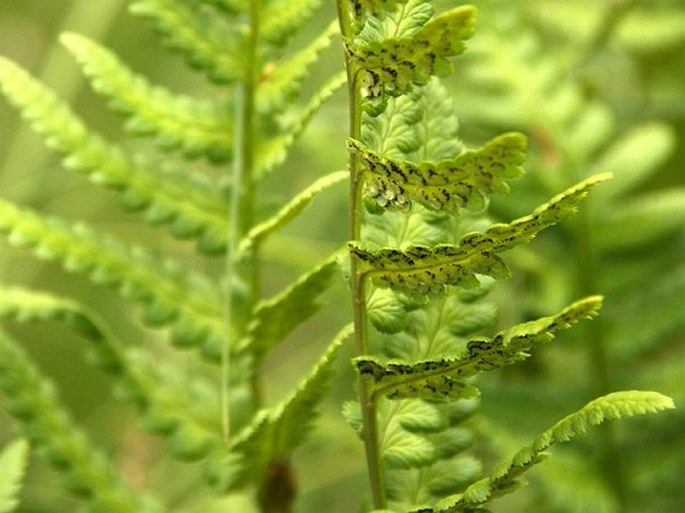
(392, 51)
(422, 256)
(221, 312)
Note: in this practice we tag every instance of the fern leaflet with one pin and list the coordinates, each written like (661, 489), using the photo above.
(445, 379)
(294, 208)
(276, 432)
(282, 85)
(424, 270)
(503, 479)
(135, 273)
(32, 400)
(172, 402)
(273, 151)
(273, 319)
(208, 42)
(393, 65)
(193, 212)
(281, 19)
(462, 182)
(196, 127)
(13, 461)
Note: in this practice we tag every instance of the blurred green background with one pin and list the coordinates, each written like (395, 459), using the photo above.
(597, 86)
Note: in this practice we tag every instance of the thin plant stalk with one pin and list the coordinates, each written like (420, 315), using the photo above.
(368, 403)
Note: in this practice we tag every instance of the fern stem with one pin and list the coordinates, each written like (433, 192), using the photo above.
(241, 297)
(344, 19)
(367, 401)
(276, 492)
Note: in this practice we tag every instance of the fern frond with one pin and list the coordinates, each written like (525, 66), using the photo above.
(189, 304)
(208, 42)
(172, 402)
(392, 66)
(197, 128)
(31, 399)
(192, 211)
(503, 479)
(275, 318)
(273, 152)
(282, 19)
(290, 211)
(13, 462)
(631, 245)
(282, 85)
(424, 270)
(23, 305)
(444, 379)
(462, 182)
(276, 432)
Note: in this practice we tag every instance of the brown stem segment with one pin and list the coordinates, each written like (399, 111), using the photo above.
(278, 489)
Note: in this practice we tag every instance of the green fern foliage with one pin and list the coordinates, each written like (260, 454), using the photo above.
(274, 150)
(392, 65)
(24, 305)
(422, 270)
(419, 183)
(251, 124)
(196, 127)
(274, 432)
(456, 184)
(13, 461)
(537, 69)
(277, 317)
(86, 471)
(192, 211)
(283, 83)
(438, 380)
(290, 211)
(430, 237)
(503, 480)
(204, 39)
(172, 403)
(135, 273)
(283, 19)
